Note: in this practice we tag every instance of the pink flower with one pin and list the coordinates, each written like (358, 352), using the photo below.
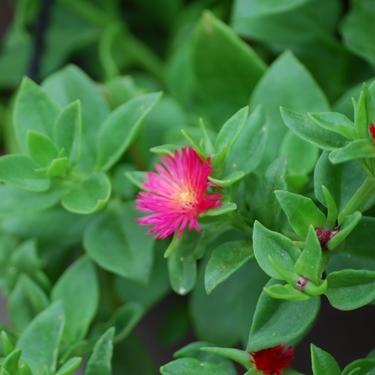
(176, 194)
(273, 360)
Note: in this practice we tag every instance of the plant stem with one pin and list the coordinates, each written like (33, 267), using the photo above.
(359, 200)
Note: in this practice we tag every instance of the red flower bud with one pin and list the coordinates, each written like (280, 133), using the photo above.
(272, 360)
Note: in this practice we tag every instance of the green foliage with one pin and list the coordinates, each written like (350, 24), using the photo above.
(269, 94)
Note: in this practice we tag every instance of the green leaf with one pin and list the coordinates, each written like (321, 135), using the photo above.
(365, 367)
(335, 122)
(228, 180)
(40, 340)
(182, 263)
(19, 171)
(350, 289)
(125, 318)
(285, 71)
(301, 212)
(58, 167)
(69, 367)
(286, 292)
(307, 129)
(70, 84)
(282, 250)
(332, 211)
(347, 226)
(10, 363)
(323, 363)
(249, 147)
(41, 148)
(155, 289)
(226, 260)
(278, 321)
(237, 355)
(308, 264)
(26, 300)
(193, 350)
(100, 359)
(121, 127)
(246, 9)
(260, 192)
(121, 236)
(33, 110)
(227, 320)
(68, 130)
(302, 156)
(89, 195)
(221, 210)
(357, 28)
(342, 180)
(188, 366)
(16, 201)
(136, 177)
(357, 149)
(216, 50)
(230, 131)
(78, 288)
(276, 23)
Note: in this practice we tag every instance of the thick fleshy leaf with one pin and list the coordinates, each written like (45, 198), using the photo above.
(357, 28)
(228, 180)
(342, 180)
(182, 263)
(276, 22)
(302, 156)
(350, 289)
(78, 288)
(247, 9)
(40, 340)
(225, 321)
(308, 264)
(89, 195)
(272, 244)
(307, 129)
(100, 359)
(248, 149)
(230, 131)
(69, 367)
(68, 130)
(366, 366)
(125, 319)
(16, 201)
(335, 122)
(19, 171)
(26, 300)
(41, 148)
(10, 364)
(188, 366)
(129, 252)
(155, 289)
(121, 127)
(272, 323)
(261, 197)
(226, 260)
(216, 49)
(301, 212)
(347, 226)
(270, 92)
(70, 84)
(193, 350)
(34, 110)
(323, 363)
(357, 149)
